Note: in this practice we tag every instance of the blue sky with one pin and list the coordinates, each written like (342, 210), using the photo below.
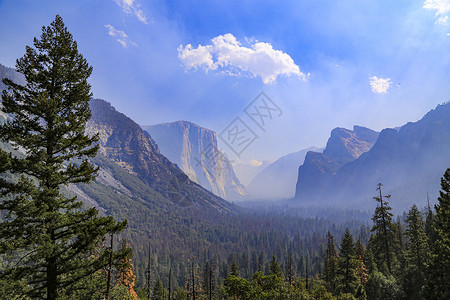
(325, 64)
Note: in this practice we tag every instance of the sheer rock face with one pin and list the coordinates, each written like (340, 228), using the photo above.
(408, 161)
(124, 142)
(347, 145)
(194, 149)
(343, 146)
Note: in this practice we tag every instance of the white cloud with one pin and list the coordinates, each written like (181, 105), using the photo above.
(442, 20)
(131, 7)
(225, 54)
(380, 85)
(120, 36)
(441, 7)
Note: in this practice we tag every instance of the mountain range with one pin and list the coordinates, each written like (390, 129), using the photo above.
(194, 149)
(128, 145)
(408, 161)
(184, 159)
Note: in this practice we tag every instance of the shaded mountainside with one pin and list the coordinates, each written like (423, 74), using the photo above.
(6, 72)
(342, 147)
(124, 142)
(408, 161)
(277, 181)
(347, 145)
(194, 149)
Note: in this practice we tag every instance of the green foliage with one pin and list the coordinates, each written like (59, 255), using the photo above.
(383, 287)
(268, 286)
(120, 292)
(330, 263)
(320, 292)
(234, 269)
(346, 296)
(49, 240)
(347, 280)
(158, 290)
(275, 268)
(238, 288)
(384, 242)
(438, 273)
(416, 254)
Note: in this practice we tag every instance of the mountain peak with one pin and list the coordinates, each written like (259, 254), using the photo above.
(346, 145)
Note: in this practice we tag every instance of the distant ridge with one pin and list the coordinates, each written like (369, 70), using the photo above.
(409, 162)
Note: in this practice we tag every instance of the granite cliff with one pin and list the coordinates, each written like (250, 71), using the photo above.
(194, 149)
(124, 142)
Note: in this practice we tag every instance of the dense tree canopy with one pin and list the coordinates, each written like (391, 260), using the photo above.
(438, 278)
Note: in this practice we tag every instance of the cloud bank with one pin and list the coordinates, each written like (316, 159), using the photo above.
(442, 7)
(130, 7)
(380, 85)
(225, 54)
(121, 37)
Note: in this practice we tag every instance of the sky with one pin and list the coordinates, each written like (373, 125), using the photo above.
(270, 77)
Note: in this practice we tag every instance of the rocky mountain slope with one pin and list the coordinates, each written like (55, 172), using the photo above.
(408, 161)
(342, 147)
(194, 149)
(124, 142)
(277, 181)
(6, 72)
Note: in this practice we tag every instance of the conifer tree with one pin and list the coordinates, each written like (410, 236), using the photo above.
(193, 282)
(361, 269)
(289, 267)
(234, 269)
(275, 268)
(330, 263)
(438, 273)
(158, 290)
(210, 278)
(383, 242)
(429, 224)
(260, 262)
(416, 253)
(347, 264)
(50, 236)
(148, 273)
(125, 275)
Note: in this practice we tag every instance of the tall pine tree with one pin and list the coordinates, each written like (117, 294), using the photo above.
(438, 273)
(49, 235)
(383, 243)
(416, 253)
(347, 264)
(330, 263)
